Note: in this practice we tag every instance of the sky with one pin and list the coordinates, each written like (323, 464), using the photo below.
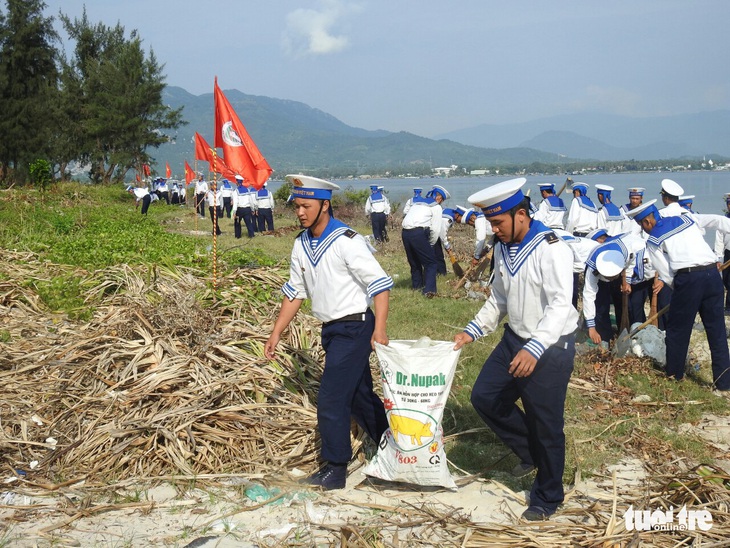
(433, 66)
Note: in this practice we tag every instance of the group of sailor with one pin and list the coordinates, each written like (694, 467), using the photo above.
(248, 207)
(158, 189)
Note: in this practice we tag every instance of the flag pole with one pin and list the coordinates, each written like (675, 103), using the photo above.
(215, 228)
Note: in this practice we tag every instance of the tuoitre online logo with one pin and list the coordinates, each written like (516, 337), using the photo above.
(667, 520)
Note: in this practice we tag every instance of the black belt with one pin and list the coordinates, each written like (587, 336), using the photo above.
(359, 317)
(580, 234)
(696, 268)
(418, 228)
(560, 342)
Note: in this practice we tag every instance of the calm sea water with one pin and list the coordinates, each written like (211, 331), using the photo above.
(708, 187)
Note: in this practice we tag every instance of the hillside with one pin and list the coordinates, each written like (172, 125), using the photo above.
(293, 137)
(609, 137)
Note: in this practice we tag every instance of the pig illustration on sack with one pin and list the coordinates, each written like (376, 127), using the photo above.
(410, 427)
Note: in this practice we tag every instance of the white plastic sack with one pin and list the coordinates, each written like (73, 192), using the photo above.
(416, 379)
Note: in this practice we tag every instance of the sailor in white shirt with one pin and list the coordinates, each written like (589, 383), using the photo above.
(265, 208)
(671, 191)
(227, 191)
(421, 231)
(551, 211)
(333, 267)
(686, 262)
(603, 287)
(610, 216)
(722, 250)
(201, 189)
(484, 234)
(583, 214)
(636, 197)
(244, 205)
(534, 359)
(214, 201)
(416, 194)
(377, 207)
(440, 194)
(141, 195)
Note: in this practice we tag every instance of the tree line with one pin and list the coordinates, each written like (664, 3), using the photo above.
(99, 106)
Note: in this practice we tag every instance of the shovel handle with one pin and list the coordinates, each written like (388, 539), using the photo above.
(647, 322)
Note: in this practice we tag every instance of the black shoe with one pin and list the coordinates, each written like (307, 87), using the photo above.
(536, 513)
(330, 477)
(522, 469)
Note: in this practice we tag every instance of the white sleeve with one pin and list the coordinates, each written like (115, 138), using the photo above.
(436, 223)
(590, 290)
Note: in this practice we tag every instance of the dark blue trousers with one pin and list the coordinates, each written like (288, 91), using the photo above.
(726, 278)
(608, 293)
(536, 434)
(438, 252)
(421, 259)
(698, 292)
(249, 221)
(346, 389)
(642, 292)
(377, 220)
(265, 219)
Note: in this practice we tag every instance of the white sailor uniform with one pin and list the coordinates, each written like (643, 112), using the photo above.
(582, 216)
(421, 230)
(532, 286)
(265, 209)
(377, 207)
(599, 293)
(685, 261)
(551, 212)
(201, 189)
(340, 276)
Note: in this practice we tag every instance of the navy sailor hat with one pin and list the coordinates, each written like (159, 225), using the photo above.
(499, 198)
(304, 186)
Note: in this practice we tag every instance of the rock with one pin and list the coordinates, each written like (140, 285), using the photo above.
(649, 342)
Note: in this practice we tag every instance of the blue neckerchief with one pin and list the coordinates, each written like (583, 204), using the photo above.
(666, 227)
(423, 200)
(534, 237)
(242, 189)
(262, 192)
(614, 213)
(376, 196)
(227, 185)
(638, 275)
(315, 248)
(585, 202)
(555, 203)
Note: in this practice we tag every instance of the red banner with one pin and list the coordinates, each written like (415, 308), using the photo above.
(189, 174)
(241, 153)
(168, 171)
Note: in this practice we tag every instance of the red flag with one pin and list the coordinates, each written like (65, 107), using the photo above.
(146, 170)
(189, 174)
(203, 151)
(239, 150)
(168, 171)
(138, 179)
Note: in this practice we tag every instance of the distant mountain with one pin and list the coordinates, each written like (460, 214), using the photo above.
(294, 137)
(609, 137)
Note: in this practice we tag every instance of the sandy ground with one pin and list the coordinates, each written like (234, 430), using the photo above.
(243, 513)
(226, 517)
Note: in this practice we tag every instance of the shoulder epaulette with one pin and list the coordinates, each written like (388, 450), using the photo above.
(551, 237)
(350, 233)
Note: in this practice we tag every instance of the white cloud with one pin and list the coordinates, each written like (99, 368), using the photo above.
(311, 32)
